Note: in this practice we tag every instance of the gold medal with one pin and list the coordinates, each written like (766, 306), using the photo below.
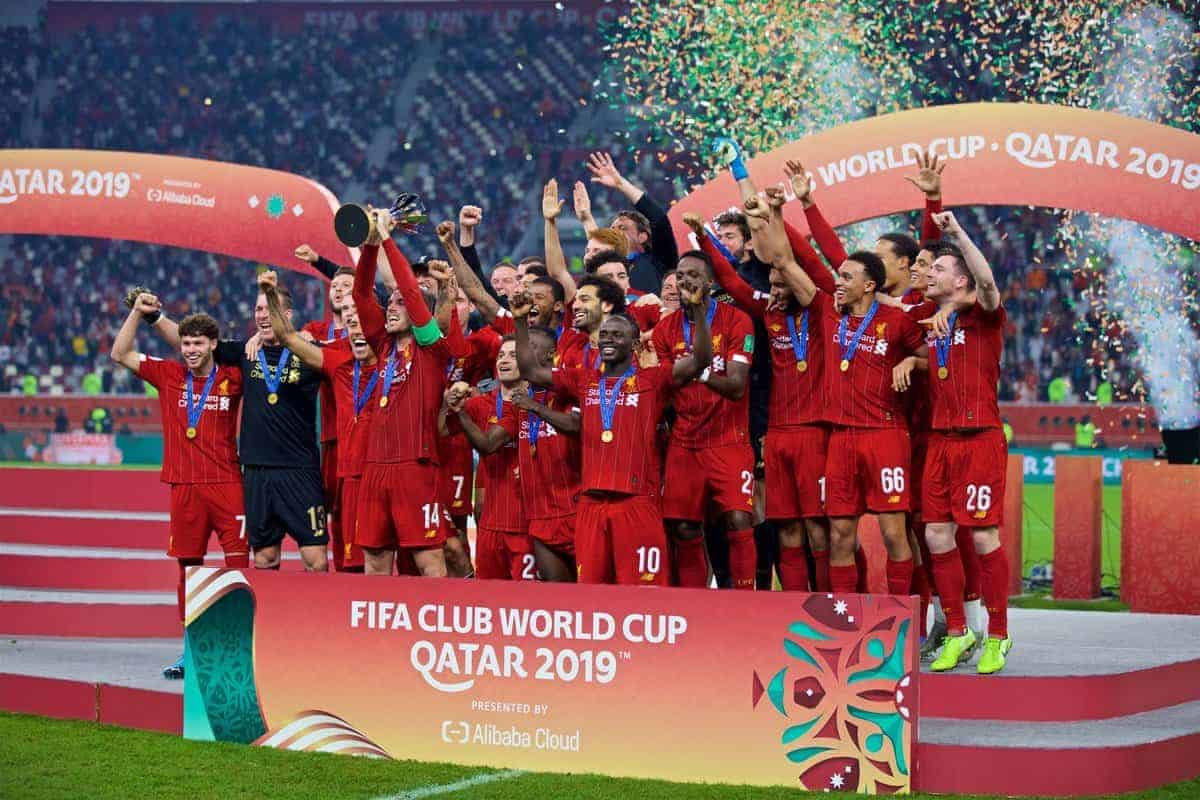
(845, 365)
(383, 401)
(801, 366)
(272, 398)
(606, 437)
(943, 373)
(191, 432)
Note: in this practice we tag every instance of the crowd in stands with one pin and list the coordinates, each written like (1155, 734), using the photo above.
(487, 114)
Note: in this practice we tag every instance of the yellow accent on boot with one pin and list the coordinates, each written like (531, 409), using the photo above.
(995, 655)
(955, 650)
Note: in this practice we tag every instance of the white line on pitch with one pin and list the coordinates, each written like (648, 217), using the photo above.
(86, 513)
(457, 786)
(13, 595)
(119, 553)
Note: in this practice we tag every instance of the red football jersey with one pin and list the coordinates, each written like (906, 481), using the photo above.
(352, 429)
(862, 395)
(551, 472)
(211, 457)
(629, 463)
(797, 395)
(480, 361)
(324, 331)
(574, 346)
(703, 417)
(967, 396)
(646, 317)
(405, 429)
(502, 507)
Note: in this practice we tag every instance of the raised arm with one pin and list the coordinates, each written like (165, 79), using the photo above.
(723, 272)
(662, 239)
(556, 262)
(531, 370)
(124, 347)
(729, 153)
(766, 225)
(424, 328)
(827, 239)
(691, 366)
(484, 300)
(985, 282)
(929, 180)
(583, 207)
(469, 218)
(305, 350)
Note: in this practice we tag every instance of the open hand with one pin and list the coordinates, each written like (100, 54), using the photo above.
(551, 203)
(929, 175)
(583, 202)
(801, 181)
(902, 374)
(604, 172)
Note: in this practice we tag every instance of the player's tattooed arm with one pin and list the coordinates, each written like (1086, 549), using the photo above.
(305, 350)
(124, 348)
(690, 367)
(488, 306)
(486, 442)
(567, 422)
(531, 370)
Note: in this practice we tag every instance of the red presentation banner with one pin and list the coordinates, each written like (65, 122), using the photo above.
(766, 688)
(999, 154)
(246, 212)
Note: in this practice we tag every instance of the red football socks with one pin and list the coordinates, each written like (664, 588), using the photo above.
(948, 575)
(860, 563)
(821, 570)
(920, 587)
(843, 580)
(994, 568)
(899, 576)
(743, 559)
(965, 539)
(793, 569)
(691, 563)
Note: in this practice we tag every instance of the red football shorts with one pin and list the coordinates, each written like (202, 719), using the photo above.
(557, 533)
(692, 478)
(867, 469)
(399, 506)
(198, 509)
(457, 473)
(920, 448)
(345, 552)
(504, 556)
(620, 539)
(964, 478)
(329, 477)
(795, 463)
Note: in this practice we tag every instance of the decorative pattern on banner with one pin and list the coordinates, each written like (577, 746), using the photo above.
(560, 678)
(1016, 154)
(246, 212)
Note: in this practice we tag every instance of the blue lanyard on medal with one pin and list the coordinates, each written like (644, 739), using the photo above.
(799, 341)
(587, 348)
(195, 410)
(848, 351)
(389, 375)
(333, 334)
(273, 379)
(499, 405)
(687, 326)
(608, 402)
(941, 346)
(535, 425)
(360, 400)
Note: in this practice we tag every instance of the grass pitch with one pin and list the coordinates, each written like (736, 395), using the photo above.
(45, 759)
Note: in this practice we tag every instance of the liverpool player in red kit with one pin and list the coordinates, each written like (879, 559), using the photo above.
(965, 468)
(399, 501)
(868, 461)
(796, 441)
(619, 535)
(503, 549)
(709, 459)
(199, 402)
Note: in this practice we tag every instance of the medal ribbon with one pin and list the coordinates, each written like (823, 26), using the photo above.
(687, 326)
(273, 379)
(195, 410)
(609, 397)
(389, 374)
(535, 423)
(360, 400)
(333, 334)
(848, 351)
(941, 345)
(799, 341)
